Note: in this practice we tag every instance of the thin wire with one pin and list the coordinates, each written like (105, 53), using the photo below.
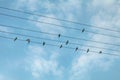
(56, 40)
(39, 15)
(55, 25)
(101, 34)
(54, 34)
(37, 21)
(19, 28)
(58, 46)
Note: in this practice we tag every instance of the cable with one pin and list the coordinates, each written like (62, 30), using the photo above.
(37, 21)
(8, 26)
(55, 24)
(59, 46)
(54, 34)
(101, 34)
(30, 13)
(56, 40)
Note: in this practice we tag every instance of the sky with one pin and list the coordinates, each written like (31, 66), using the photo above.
(22, 61)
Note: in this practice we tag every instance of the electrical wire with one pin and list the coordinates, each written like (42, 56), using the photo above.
(54, 34)
(39, 15)
(56, 40)
(56, 25)
(59, 46)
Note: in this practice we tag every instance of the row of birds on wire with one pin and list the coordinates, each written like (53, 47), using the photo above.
(44, 43)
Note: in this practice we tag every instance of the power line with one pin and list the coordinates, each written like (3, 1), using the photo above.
(56, 25)
(54, 34)
(19, 28)
(59, 46)
(37, 21)
(39, 15)
(56, 40)
(102, 34)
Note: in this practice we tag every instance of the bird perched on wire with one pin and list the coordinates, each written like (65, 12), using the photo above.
(15, 39)
(61, 46)
(83, 30)
(43, 43)
(67, 42)
(59, 35)
(100, 52)
(88, 50)
(76, 48)
(28, 40)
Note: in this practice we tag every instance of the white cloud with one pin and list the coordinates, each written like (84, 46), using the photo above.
(103, 16)
(46, 7)
(6, 30)
(82, 66)
(71, 9)
(49, 28)
(108, 18)
(102, 3)
(106, 12)
(3, 28)
(39, 63)
(27, 4)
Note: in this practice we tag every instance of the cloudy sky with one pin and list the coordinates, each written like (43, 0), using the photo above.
(22, 61)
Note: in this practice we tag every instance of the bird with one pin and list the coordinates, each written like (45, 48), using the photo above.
(15, 39)
(43, 43)
(61, 46)
(100, 52)
(76, 48)
(28, 40)
(59, 35)
(67, 42)
(88, 50)
(83, 30)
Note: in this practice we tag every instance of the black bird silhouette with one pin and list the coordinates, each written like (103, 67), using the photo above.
(83, 30)
(61, 46)
(67, 42)
(43, 43)
(15, 39)
(28, 40)
(88, 50)
(76, 48)
(59, 35)
(100, 52)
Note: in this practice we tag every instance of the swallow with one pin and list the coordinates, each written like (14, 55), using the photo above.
(76, 48)
(28, 40)
(100, 52)
(67, 42)
(43, 43)
(59, 35)
(88, 50)
(15, 39)
(83, 30)
(61, 46)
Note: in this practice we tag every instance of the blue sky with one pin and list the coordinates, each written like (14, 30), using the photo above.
(22, 61)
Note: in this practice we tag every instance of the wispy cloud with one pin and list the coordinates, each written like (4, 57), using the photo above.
(40, 64)
(50, 28)
(3, 28)
(27, 4)
(82, 67)
(104, 13)
(84, 64)
(63, 10)
(108, 18)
